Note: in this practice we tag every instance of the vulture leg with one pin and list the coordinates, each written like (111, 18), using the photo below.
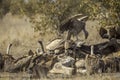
(41, 44)
(68, 35)
(77, 38)
(92, 50)
(85, 32)
(67, 39)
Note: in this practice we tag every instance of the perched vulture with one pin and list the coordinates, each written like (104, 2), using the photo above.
(74, 25)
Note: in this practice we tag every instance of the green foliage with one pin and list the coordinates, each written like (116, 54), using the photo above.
(50, 13)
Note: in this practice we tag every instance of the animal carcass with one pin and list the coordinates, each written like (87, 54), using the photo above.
(80, 66)
(64, 66)
(61, 69)
(93, 64)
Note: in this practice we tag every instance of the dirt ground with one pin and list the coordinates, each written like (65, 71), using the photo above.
(25, 76)
(18, 30)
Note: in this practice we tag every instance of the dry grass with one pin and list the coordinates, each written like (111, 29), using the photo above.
(18, 30)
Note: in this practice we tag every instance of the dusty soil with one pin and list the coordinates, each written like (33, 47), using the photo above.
(18, 30)
(25, 76)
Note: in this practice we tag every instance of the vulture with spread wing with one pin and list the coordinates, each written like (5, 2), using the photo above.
(74, 25)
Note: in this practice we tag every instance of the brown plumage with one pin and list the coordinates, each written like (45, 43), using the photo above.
(74, 26)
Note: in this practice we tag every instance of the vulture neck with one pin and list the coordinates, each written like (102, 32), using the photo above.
(92, 50)
(8, 49)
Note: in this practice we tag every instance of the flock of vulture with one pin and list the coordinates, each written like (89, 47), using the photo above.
(66, 56)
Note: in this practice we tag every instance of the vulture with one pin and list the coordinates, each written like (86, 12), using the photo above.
(103, 33)
(73, 26)
(109, 33)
